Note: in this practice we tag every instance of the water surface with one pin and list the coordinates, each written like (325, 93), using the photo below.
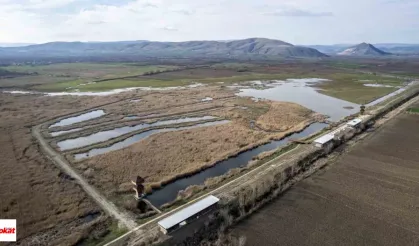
(299, 91)
(55, 134)
(79, 118)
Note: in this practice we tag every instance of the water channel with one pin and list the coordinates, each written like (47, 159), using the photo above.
(169, 192)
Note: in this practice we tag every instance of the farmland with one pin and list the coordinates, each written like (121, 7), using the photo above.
(366, 197)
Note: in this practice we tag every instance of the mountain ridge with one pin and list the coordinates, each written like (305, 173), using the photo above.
(250, 46)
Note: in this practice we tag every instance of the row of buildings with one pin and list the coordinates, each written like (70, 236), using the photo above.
(328, 138)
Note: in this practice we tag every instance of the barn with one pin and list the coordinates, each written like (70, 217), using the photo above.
(188, 214)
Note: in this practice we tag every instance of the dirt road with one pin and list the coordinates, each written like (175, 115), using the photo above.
(106, 205)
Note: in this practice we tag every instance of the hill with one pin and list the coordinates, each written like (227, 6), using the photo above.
(246, 47)
(363, 49)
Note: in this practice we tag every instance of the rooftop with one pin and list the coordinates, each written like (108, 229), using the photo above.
(354, 122)
(324, 139)
(187, 212)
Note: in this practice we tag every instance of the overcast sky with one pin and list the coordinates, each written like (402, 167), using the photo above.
(294, 21)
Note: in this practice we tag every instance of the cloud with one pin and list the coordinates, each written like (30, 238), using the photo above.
(169, 28)
(149, 5)
(96, 22)
(299, 13)
(294, 21)
(184, 12)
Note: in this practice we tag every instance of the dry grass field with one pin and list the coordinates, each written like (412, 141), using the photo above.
(49, 207)
(172, 101)
(164, 156)
(368, 197)
(283, 116)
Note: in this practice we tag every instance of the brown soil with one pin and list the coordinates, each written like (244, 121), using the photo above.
(368, 197)
(49, 207)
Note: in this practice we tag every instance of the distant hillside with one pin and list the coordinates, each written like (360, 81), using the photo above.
(399, 48)
(14, 44)
(363, 49)
(246, 47)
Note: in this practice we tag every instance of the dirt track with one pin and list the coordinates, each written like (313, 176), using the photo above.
(110, 208)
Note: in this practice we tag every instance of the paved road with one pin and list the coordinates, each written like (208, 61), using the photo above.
(103, 202)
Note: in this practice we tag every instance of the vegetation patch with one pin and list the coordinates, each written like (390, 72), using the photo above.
(413, 110)
(350, 87)
(111, 233)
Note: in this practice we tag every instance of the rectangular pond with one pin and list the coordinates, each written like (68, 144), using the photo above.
(169, 192)
(59, 133)
(136, 138)
(79, 118)
(103, 136)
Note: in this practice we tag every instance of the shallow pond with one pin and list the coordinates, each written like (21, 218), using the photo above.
(136, 138)
(109, 134)
(55, 134)
(79, 118)
(169, 192)
(299, 91)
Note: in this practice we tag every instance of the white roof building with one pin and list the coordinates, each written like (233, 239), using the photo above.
(177, 218)
(323, 139)
(354, 122)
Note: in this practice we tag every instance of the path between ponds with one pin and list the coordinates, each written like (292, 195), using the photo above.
(102, 201)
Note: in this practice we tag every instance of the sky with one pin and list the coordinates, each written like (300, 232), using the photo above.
(295, 21)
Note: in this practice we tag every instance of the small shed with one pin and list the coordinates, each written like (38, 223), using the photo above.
(354, 122)
(188, 214)
(323, 140)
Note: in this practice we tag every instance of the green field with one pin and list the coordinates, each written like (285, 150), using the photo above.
(59, 77)
(350, 87)
(413, 110)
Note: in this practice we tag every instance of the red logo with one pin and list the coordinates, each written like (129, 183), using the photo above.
(7, 230)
